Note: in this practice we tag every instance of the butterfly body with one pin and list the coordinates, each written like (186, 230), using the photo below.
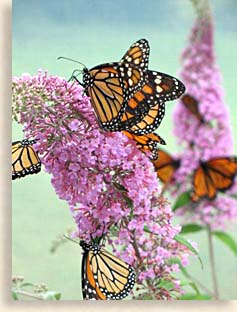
(24, 159)
(104, 276)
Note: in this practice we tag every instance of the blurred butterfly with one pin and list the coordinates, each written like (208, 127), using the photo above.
(123, 92)
(192, 105)
(165, 166)
(104, 276)
(147, 142)
(25, 159)
(215, 175)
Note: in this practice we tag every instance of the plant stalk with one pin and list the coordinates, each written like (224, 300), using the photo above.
(212, 263)
(188, 275)
(27, 294)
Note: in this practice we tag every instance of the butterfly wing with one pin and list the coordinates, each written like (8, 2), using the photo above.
(192, 105)
(111, 85)
(24, 159)
(133, 66)
(137, 55)
(122, 93)
(105, 88)
(139, 106)
(151, 121)
(146, 109)
(149, 142)
(104, 276)
(165, 166)
(115, 278)
(90, 290)
(215, 175)
(167, 88)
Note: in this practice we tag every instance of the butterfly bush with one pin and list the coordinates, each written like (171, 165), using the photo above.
(213, 137)
(109, 185)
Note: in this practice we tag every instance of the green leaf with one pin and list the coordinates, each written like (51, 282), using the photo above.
(186, 243)
(14, 295)
(120, 187)
(130, 205)
(195, 297)
(57, 296)
(191, 228)
(144, 296)
(146, 229)
(51, 295)
(26, 285)
(166, 284)
(192, 285)
(227, 240)
(185, 273)
(182, 200)
(174, 260)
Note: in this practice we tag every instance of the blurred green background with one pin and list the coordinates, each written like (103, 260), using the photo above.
(95, 32)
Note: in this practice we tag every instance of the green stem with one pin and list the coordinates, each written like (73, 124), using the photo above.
(188, 275)
(27, 294)
(212, 263)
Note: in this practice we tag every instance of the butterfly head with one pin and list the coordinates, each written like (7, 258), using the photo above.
(91, 246)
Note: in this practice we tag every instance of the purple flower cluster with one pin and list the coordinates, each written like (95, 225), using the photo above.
(213, 137)
(109, 184)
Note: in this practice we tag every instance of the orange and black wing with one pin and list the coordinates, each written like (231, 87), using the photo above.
(192, 105)
(25, 159)
(133, 66)
(106, 91)
(165, 166)
(105, 276)
(150, 122)
(146, 109)
(137, 55)
(149, 142)
(90, 290)
(140, 107)
(111, 85)
(215, 175)
(167, 87)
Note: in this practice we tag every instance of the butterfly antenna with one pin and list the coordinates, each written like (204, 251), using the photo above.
(69, 59)
(70, 239)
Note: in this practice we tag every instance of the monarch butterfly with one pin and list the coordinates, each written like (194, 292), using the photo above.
(192, 105)
(146, 109)
(165, 166)
(104, 276)
(122, 93)
(147, 142)
(215, 175)
(24, 159)
(110, 85)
